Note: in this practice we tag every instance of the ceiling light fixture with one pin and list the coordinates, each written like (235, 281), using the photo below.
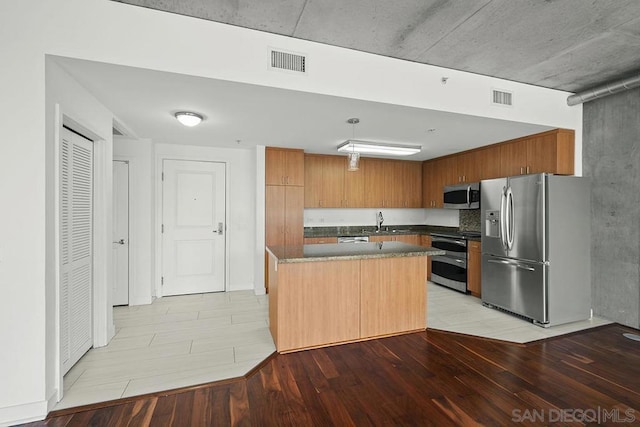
(369, 147)
(188, 118)
(353, 157)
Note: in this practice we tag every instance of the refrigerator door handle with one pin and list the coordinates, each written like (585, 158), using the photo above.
(512, 263)
(510, 221)
(503, 220)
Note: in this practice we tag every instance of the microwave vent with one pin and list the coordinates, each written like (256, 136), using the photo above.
(288, 61)
(501, 97)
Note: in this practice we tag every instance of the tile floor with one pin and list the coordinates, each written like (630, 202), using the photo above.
(453, 311)
(193, 339)
(174, 342)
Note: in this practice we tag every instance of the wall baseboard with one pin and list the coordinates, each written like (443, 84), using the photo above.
(20, 414)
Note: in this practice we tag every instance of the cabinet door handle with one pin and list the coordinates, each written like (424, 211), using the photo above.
(527, 169)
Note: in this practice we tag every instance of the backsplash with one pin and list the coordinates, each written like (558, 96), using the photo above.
(470, 220)
(327, 217)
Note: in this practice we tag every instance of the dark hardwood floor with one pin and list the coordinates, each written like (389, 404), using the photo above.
(430, 378)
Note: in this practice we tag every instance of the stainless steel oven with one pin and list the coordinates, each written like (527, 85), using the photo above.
(450, 269)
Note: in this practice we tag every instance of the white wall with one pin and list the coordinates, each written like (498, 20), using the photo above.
(259, 285)
(241, 210)
(326, 217)
(68, 102)
(139, 154)
(114, 32)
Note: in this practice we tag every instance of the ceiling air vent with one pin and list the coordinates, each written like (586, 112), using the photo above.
(501, 97)
(288, 61)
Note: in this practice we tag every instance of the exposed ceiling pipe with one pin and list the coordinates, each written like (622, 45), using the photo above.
(604, 90)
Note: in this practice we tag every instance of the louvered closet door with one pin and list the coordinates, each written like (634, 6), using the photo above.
(76, 228)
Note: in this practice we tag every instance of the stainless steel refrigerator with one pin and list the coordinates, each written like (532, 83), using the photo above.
(536, 247)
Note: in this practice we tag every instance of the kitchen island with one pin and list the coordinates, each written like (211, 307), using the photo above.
(327, 294)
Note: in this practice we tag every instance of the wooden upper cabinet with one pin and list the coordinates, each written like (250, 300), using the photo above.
(551, 152)
(412, 184)
(467, 167)
(333, 170)
(513, 158)
(374, 182)
(284, 166)
(354, 187)
(488, 160)
(402, 184)
(312, 180)
(428, 178)
(393, 185)
(324, 181)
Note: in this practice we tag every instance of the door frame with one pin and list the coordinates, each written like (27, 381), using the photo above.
(160, 158)
(130, 252)
(103, 328)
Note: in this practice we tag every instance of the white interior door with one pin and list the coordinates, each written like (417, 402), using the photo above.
(76, 231)
(120, 233)
(193, 222)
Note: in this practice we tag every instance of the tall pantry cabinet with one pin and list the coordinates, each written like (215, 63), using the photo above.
(284, 198)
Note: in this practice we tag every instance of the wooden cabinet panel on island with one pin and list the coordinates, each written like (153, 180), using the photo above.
(474, 272)
(284, 166)
(393, 297)
(314, 303)
(425, 240)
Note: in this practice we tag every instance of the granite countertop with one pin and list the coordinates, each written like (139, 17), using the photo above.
(347, 251)
(391, 230)
(371, 230)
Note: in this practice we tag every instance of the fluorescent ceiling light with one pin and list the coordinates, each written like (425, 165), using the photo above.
(188, 118)
(368, 147)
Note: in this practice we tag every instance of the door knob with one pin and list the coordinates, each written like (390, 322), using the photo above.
(120, 242)
(220, 227)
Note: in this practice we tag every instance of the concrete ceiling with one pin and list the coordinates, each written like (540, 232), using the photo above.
(569, 45)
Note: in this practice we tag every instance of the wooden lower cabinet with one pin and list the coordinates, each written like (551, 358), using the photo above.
(474, 265)
(393, 295)
(411, 239)
(425, 240)
(319, 240)
(317, 304)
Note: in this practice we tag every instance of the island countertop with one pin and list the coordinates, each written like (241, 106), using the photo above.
(347, 251)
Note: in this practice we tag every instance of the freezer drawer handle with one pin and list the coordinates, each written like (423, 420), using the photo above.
(520, 266)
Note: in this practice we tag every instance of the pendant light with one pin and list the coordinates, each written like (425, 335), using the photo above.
(353, 157)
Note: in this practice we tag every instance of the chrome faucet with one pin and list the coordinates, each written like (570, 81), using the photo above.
(379, 220)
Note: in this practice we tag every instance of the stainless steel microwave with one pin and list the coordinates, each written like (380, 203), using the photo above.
(462, 196)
